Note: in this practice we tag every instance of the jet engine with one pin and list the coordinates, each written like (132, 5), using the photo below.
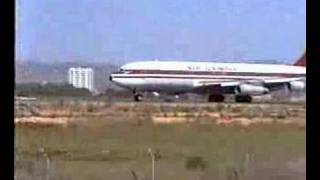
(297, 86)
(248, 89)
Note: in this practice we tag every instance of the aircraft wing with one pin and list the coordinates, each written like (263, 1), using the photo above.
(282, 80)
(230, 85)
(276, 84)
(215, 86)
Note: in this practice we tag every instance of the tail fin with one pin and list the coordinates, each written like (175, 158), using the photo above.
(301, 61)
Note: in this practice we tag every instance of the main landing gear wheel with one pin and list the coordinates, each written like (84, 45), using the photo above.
(216, 98)
(243, 98)
(138, 97)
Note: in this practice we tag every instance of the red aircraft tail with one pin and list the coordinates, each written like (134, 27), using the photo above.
(301, 61)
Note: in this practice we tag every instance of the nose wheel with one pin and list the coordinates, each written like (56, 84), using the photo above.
(138, 97)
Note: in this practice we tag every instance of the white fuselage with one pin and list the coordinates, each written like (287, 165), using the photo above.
(182, 77)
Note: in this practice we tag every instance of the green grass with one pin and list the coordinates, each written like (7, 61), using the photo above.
(104, 150)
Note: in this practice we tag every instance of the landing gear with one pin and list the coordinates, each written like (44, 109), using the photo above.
(243, 98)
(138, 97)
(216, 98)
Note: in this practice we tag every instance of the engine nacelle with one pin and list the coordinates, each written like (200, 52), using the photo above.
(248, 89)
(297, 86)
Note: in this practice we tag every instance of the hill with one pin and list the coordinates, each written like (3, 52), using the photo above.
(34, 72)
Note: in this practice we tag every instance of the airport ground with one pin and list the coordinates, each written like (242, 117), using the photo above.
(84, 139)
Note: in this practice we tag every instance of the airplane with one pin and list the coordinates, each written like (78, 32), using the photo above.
(244, 80)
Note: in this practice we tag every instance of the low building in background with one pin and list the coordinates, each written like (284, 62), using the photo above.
(81, 78)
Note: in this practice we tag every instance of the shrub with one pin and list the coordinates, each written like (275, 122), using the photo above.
(195, 162)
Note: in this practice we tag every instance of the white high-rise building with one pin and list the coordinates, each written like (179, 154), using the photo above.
(81, 77)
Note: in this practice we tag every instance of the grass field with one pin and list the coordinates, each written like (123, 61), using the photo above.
(115, 146)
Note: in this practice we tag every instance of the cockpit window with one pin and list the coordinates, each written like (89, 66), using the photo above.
(124, 71)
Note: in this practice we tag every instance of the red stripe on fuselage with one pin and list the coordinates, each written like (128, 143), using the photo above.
(163, 76)
(158, 73)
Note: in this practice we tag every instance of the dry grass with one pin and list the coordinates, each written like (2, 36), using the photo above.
(112, 141)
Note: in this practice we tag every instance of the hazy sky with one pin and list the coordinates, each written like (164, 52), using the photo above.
(104, 30)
